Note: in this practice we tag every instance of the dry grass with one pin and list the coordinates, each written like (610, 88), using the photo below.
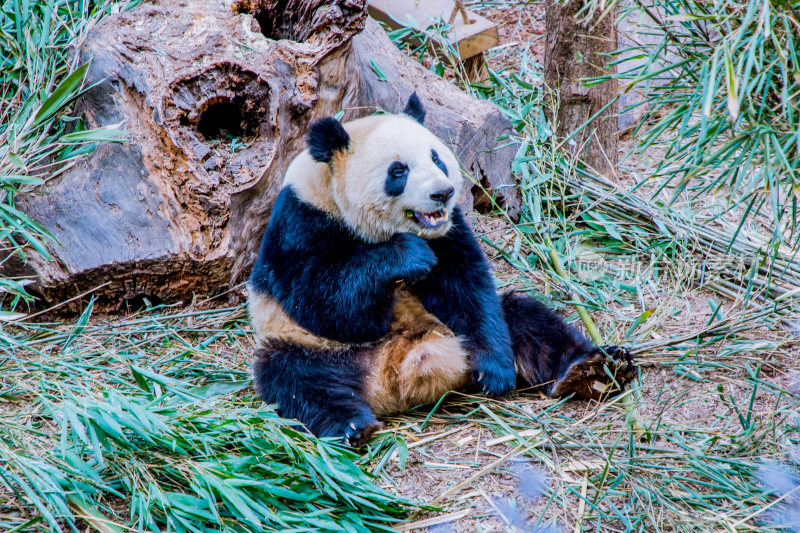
(713, 415)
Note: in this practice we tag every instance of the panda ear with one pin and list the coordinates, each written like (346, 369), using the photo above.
(414, 108)
(326, 136)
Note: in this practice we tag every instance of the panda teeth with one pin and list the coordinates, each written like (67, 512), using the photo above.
(431, 220)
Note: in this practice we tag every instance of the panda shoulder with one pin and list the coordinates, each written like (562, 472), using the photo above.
(311, 182)
(303, 168)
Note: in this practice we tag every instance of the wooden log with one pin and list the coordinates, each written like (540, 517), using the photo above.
(218, 100)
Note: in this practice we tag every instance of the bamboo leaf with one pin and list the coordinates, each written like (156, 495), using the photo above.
(733, 92)
(63, 93)
(103, 134)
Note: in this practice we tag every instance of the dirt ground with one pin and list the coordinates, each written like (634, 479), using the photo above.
(521, 28)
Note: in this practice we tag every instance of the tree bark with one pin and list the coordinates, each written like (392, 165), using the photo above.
(573, 51)
(219, 101)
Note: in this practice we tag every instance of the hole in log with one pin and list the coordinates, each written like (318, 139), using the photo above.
(482, 201)
(223, 104)
(223, 120)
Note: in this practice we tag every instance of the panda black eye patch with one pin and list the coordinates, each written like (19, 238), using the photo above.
(396, 178)
(438, 162)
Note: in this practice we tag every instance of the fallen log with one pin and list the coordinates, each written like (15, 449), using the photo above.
(218, 98)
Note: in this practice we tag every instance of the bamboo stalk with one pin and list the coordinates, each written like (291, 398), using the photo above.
(630, 404)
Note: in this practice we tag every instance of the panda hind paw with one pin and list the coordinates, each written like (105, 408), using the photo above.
(358, 430)
(620, 354)
(602, 373)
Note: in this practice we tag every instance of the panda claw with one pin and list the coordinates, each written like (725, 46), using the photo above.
(360, 431)
(493, 378)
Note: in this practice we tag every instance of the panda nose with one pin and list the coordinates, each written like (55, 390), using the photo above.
(443, 195)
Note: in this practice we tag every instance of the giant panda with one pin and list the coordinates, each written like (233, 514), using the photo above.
(370, 294)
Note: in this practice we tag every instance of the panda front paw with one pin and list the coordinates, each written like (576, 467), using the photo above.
(415, 255)
(492, 376)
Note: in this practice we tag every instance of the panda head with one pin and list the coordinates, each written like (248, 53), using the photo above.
(388, 173)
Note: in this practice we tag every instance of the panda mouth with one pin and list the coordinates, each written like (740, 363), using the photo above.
(428, 220)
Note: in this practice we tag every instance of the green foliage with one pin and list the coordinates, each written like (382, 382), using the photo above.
(721, 89)
(125, 441)
(39, 81)
(239, 468)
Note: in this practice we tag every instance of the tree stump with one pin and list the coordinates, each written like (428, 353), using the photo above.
(573, 51)
(218, 98)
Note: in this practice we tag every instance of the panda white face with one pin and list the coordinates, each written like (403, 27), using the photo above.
(380, 175)
(396, 177)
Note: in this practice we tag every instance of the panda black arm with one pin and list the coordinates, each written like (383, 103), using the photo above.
(459, 290)
(329, 281)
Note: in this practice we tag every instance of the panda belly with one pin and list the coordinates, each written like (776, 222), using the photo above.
(273, 326)
(416, 362)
